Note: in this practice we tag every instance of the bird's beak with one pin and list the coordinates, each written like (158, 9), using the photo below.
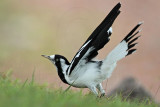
(46, 56)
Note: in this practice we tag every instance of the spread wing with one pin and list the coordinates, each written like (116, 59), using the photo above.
(96, 40)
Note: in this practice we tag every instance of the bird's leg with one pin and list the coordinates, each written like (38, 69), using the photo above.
(100, 88)
(93, 89)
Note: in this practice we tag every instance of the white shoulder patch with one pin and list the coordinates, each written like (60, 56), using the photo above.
(109, 30)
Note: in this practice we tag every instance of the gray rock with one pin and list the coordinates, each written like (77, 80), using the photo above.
(130, 89)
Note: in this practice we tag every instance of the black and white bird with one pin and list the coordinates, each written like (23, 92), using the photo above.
(86, 72)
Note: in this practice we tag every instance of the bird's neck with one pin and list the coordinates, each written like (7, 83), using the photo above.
(62, 76)
(62, 68)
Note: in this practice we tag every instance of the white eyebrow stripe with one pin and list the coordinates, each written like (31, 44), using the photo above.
(52, 56)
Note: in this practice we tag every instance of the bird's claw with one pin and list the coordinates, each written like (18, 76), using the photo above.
(102, 95)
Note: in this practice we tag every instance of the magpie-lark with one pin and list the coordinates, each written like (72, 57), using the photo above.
(86, 72)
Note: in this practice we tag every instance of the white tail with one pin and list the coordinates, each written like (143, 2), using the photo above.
(119, 52)
(124, 48)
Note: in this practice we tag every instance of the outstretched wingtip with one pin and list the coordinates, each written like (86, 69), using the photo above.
(140, 23)
(119, 4)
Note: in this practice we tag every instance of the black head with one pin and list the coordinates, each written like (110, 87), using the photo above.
(57, 59)
(61, 63)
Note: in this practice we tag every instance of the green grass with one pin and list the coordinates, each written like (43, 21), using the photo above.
(29, 94)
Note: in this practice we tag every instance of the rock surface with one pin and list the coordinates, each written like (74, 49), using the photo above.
(131, 89)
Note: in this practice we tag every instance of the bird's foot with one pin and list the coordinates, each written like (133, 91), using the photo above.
(102, 95)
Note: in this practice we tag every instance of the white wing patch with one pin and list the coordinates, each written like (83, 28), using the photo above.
(80, 69)
(78, 55)
(82, 48)
(109, 30)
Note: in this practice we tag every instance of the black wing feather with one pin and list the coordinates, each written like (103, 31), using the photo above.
(97, 39)
(104, 23)
(103, 37)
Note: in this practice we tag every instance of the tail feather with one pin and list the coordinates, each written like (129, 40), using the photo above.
(128, 39)
(132, 31)
(131, 46)
(124, 48)
(131, 51)
(129, 43)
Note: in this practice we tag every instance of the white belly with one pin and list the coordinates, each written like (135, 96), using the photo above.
(90, 75)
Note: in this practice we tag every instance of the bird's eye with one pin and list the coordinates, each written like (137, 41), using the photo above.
(57, 60)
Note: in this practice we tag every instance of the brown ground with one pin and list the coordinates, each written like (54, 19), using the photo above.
(30, 28)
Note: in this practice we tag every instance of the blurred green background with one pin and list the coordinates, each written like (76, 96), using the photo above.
(30, 28)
